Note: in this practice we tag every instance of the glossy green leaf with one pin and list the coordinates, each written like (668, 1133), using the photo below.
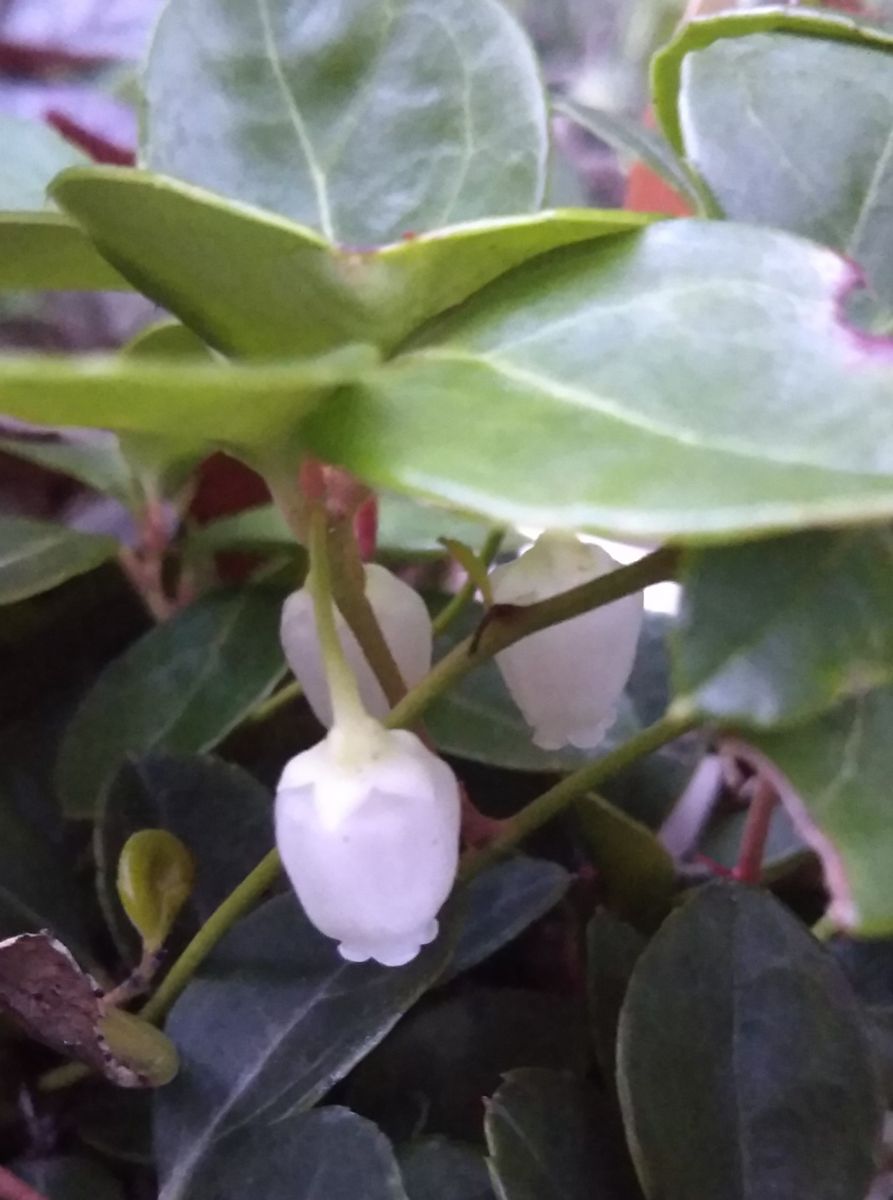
(247, 408)
(668, 64)
(261, 528)
(33, 153)
(629, 136)
(48, 252)
(294, 292)
(777, 631)
(216, 809)
(155, 876)
(38, 555)
(451, 90)
(838, 766)
(637, 874)
(409, 529)
(546, 1137)
(431, 1073)
(764, 124)
(328, 1154)
(612, 950)
(69, 1177)
(623, 396)
(501, 902)
(274, 1018)
(180, 688)
(437, 1169)
(736, 1014)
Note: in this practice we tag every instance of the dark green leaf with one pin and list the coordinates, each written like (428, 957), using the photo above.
(37, 555)
(629, 136)
(430, 1075)
(296, 294)
(33, 152)
(272, 1020)
(636, 872)
(48, 252)
(603, 375)
(501, 902)
(546, 1137)
(219, 812)
(69, 1177)
(836, 785)
(437, 1169)
(451, 91)
(261, 528)
(180, 688)
(777, 631)
(612, 951)
(784, 848)
(116, 1121)
(880, 1026)
(743, 1064)
(330, 1154)
(248, 408)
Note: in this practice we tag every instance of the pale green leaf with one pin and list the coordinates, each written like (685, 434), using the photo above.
(38, 555)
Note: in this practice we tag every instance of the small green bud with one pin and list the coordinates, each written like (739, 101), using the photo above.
(155, 877)
(139, 1047)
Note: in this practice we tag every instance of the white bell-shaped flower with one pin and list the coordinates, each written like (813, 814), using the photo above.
(567, 679)
(404, 622)
(367, 825)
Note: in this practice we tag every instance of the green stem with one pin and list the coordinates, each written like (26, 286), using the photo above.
(237, 903)
(274, 704)
(465, 595)
(572, 787)
(347, 707)
(505, 626)
(349, 590)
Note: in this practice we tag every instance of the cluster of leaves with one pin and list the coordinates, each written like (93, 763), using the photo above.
(340, 208)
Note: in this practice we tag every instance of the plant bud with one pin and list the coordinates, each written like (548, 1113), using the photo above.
(567, 679)
(368, 830)
(406, 626)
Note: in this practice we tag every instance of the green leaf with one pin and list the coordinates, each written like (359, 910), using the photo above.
(736, 1014)
(273, 1019)
(296, 293)
(37, 555)
(836, 771)
(612, 950)
(452, 92)
(636, 872)
(246, 408)
(602, 374)
(430, 1075)
(546, 1133)
(261, 528)
(412, 530)
(33, 153)
(501, 902)
(37, 888)
(437, 1169)
(217, 810)
(93, 457)
(180, 688)
(777, 631)
(48, 252)
(784, 850)
(763, 124)
(669, 63)
(629, 136)
(68, 1177)
(329, 1154)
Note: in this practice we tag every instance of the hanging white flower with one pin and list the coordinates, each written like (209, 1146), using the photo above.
(367, 825)
(404, 622)
(567, 679)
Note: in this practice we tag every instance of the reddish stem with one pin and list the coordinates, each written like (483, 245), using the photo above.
(749, 867)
